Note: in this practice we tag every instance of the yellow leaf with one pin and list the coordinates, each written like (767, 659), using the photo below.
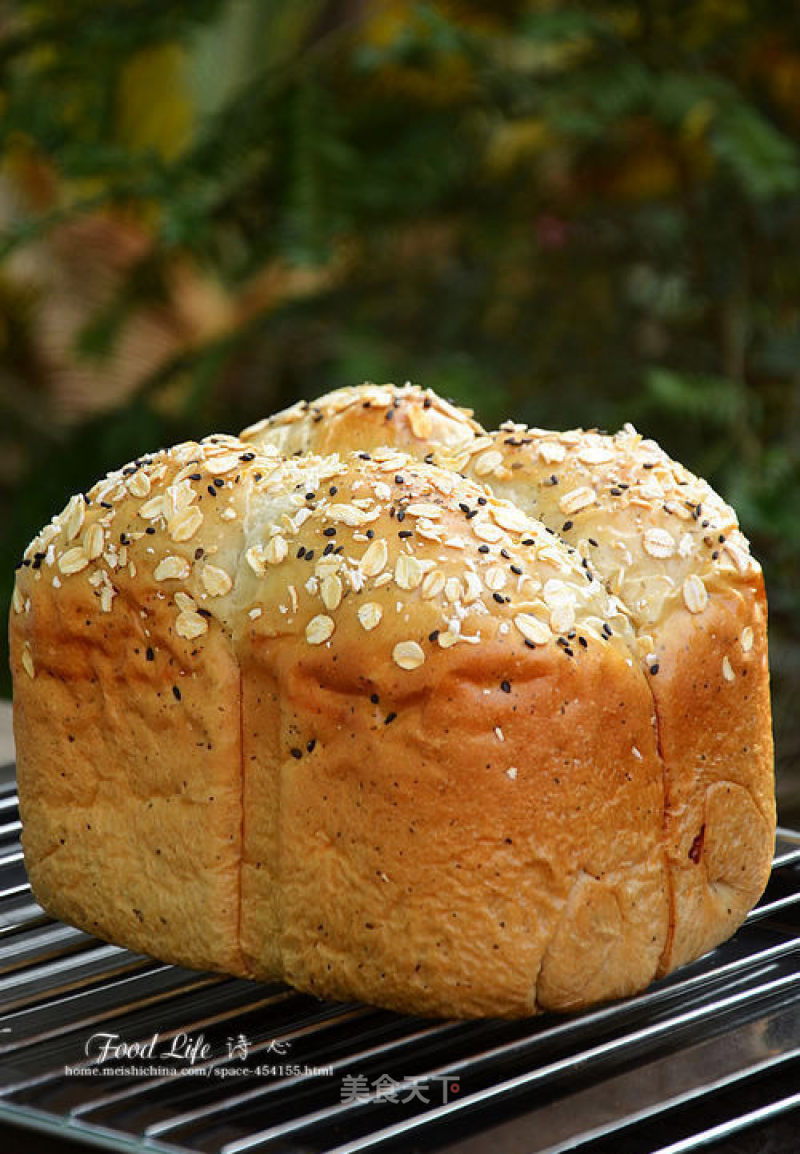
(153, 108)
(516, 142)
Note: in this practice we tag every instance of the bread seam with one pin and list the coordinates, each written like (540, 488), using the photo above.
(670, 880)
(239, 887)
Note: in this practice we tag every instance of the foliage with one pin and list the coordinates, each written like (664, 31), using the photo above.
(566, 212)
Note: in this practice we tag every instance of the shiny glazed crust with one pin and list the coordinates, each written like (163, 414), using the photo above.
(352, 722)
(670, 549)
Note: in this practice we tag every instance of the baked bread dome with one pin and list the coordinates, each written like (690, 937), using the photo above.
(350, 721)
(366, 417)
(671, 550)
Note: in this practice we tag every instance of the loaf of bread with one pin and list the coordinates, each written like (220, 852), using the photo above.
(303, 705)
(665, 544)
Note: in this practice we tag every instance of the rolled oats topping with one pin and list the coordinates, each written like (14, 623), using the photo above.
(184, 525)
(216, 582)
(533, 629)
(190, 625)
(73, 560)
(408, 655)
(369, 615)
(331, 591)
(319, 629)
(695, 594)
(172, 568)
(374, 558)
(577, 499)
(658, 543)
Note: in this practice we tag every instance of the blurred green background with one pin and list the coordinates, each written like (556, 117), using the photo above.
(566, 213)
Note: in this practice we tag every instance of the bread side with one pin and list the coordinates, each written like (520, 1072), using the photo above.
(442, 844)
(670, 548)
(127, 735)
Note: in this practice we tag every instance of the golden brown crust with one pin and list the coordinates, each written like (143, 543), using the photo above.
(361, 723)
(254, 587)
(445, 872)
(671, 550)
(366, 417)
(130, 798)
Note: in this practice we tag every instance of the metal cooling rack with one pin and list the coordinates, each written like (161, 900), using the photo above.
(701, 1056)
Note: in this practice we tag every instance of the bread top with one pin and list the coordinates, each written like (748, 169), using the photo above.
(366, 417)
(407, 557)
(658, 535)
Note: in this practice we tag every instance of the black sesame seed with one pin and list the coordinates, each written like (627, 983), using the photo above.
(654, 669)
(582, 641)
(463, 507)
(301, 552)
(333, 490)
(328, 549)
(405, 533)
(401, 515)
(615, 492)
(483, 548)
(499, 598)
(296, 753)
(247, 457)
(428, 458)
(370, 533)
(150, 531)
(310, 496)
(374, 698)
(329, 532)
(515, 569)
(481, 501)
(150, 653)
(592, 541)
(433, 635)
(389, 718)
(398, 479)
(311, 745)
(219, 483)
(364, 457)
(505, 686)
(212, 492)
(176, 693)
(388, 415)
(528, 541)
(310, 555)
(472, 513)
(195, 476)
(529, 644)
